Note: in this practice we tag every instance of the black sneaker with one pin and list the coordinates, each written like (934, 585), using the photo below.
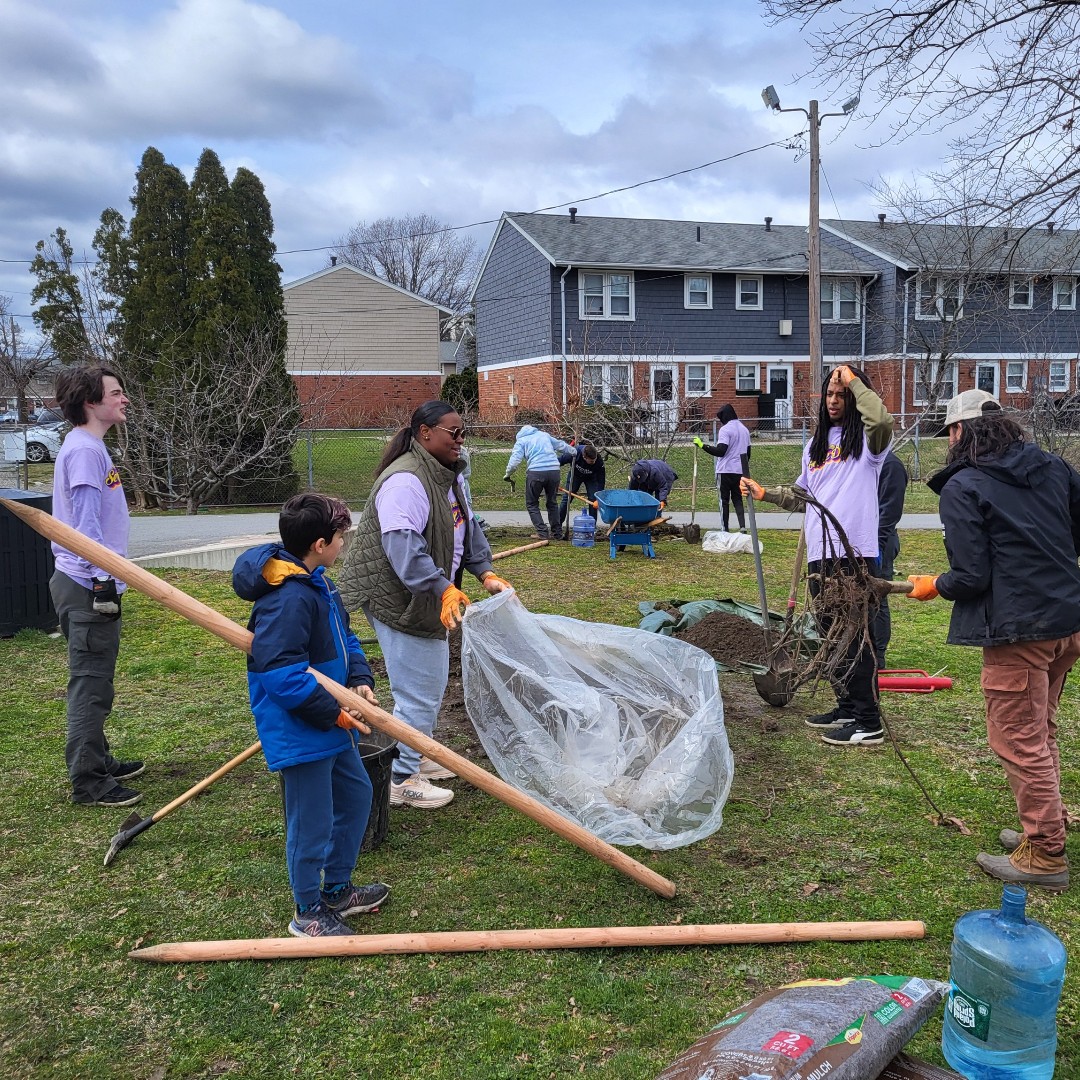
(127, 770)
(318, 921)
(831, 719)
(856, 734)
(118, 796)
(353, 899)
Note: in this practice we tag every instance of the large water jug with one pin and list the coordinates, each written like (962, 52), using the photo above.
(1000, 1017)
(583, 530)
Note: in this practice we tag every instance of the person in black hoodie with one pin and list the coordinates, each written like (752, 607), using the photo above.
(892, 487)
(1011, 514)
(586, 469)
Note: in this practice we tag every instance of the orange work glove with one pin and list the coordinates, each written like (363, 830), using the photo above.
(662, 504)
(925, 586)
(347, 720)
(454, 602)
(493, 583)
(751, 488)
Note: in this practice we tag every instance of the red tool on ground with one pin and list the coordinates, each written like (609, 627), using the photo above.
(912, 681)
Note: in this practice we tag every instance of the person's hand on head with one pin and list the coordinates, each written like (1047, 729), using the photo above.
(843, 375)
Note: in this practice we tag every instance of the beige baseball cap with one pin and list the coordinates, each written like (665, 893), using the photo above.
(970, 405)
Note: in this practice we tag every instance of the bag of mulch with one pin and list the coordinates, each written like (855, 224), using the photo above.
(727, 543)
(843, 1029)
(618, 730)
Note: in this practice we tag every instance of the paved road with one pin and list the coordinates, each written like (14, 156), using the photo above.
(158, 534)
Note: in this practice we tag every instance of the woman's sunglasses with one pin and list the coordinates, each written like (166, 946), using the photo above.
(455, 433)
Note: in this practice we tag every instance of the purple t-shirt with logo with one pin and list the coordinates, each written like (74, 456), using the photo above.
(737, 437)
(849, 489)
(87, 495)
(402, 503)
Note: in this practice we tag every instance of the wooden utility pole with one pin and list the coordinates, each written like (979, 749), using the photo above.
(814, 251)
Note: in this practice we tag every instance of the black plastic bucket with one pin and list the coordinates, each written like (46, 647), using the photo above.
(377, 751)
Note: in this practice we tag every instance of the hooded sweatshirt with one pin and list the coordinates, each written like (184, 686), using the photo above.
(539, 450)
(653, 476)
(1012, 532)
(298, 622)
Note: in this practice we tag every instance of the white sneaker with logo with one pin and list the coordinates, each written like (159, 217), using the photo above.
(416, 791)
(432, 770)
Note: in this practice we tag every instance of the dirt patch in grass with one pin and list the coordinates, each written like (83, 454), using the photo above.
(727, 638)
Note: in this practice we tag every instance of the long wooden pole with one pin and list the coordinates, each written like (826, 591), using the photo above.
(209, 619)
(518, 550)
(604, 937)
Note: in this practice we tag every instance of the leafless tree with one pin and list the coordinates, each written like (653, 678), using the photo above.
(1005, 75)
(21, 362)
(416, 252)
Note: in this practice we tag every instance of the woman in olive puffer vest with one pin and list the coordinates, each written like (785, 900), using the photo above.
(416, 530)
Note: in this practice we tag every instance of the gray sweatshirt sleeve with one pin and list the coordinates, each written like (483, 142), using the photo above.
(410, 560)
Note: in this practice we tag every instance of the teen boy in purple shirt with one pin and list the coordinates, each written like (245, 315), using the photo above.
(87, 495)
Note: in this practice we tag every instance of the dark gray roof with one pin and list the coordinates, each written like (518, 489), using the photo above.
(978, 248)
(647, 243)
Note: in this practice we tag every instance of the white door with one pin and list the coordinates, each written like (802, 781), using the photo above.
(778, 377)
(986, 378)
(664, 396)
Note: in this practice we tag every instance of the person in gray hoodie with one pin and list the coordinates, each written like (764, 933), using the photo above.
(540, 452)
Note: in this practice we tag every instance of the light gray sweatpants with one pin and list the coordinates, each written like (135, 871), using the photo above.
(418, 669)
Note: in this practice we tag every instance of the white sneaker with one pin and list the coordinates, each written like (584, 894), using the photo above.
(416, 791)
(432, 770)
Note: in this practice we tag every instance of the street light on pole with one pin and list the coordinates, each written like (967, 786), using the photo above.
(813, 247)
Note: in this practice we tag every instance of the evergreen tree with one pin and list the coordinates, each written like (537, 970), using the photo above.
(61, 310)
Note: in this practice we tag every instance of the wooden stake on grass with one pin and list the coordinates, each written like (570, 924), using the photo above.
(209, 619)
(518, 550)
(603, 937)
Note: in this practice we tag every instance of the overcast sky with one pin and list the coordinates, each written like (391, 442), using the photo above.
(353, 110)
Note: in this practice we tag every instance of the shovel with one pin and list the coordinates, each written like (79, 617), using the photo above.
(692, 532)
(775, 685)
(135, 824)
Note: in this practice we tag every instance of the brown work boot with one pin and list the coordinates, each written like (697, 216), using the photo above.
(1028, 865)
(1010, 839)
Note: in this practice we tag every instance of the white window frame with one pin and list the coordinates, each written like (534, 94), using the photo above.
(1027, 280)
(1010, 375)
(1071, 305)
(932, 287)
(739, 279)
(832, 285)
(739, 376)
(707, 389)
(1061, 387)
(687, 302)
(917, 398)
(606, 285)
(608, 385)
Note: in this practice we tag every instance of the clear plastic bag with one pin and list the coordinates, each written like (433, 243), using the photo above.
(618, 729)
(728, 543)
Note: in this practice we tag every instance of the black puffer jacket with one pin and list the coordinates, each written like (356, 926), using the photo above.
(1012, 532)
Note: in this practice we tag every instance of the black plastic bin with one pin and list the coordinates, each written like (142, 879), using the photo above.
(27, 559)
(377, 751)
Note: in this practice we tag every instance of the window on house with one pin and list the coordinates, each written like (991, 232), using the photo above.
(840, 300)
(1065, 294)
(1015, 376)
(748, 292)
(697, 379)
(1059, 376)
(1021, 290)
(934, 381)
(697, 290)
(606, 296)
(746, 377)
(940, 297)
(619, 384)
(592, 384)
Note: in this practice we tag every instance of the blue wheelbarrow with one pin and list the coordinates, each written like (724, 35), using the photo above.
(629, 513)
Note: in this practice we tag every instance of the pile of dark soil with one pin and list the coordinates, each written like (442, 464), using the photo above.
(727, 638)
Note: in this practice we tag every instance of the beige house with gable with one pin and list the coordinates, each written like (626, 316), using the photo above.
(363, 351)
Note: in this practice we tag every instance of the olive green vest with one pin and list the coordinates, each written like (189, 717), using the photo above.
(367, 578)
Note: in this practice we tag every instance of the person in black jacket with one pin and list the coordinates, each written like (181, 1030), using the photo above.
(653, 476)
(892, 487)
(586, 469)
(1012, 533)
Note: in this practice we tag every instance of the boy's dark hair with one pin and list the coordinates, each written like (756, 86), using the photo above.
(308, 517)
(851, 432)
(78, 385)
(588, 452)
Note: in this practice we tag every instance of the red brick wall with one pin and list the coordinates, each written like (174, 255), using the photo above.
(363, 400)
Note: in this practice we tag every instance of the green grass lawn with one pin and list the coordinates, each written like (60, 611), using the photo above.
(810, 833)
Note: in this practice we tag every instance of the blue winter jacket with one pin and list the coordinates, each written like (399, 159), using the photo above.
(298, 622)
(653, 476)
(538, 449)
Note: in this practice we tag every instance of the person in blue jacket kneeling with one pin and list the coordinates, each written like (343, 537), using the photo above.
(298, 622)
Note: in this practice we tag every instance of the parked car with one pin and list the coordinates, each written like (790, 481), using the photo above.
(35, 444)
(9, 417)
(45, 415)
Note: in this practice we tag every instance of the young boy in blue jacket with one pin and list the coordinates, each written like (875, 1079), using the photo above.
(298, 622)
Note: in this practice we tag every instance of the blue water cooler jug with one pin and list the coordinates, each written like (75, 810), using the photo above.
(583, 530)
(1006, 974)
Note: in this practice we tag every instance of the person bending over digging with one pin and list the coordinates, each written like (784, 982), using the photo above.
(415, 532)
(298, 622)
(540, 452)
(841, 465)
(1012, 533)
(654, 477)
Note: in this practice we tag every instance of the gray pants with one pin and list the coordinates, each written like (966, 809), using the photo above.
(546, 484)
(418, 669)
(93, 645)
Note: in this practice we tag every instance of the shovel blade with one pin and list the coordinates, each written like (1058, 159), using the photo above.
(131, 827)
(774, 688)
